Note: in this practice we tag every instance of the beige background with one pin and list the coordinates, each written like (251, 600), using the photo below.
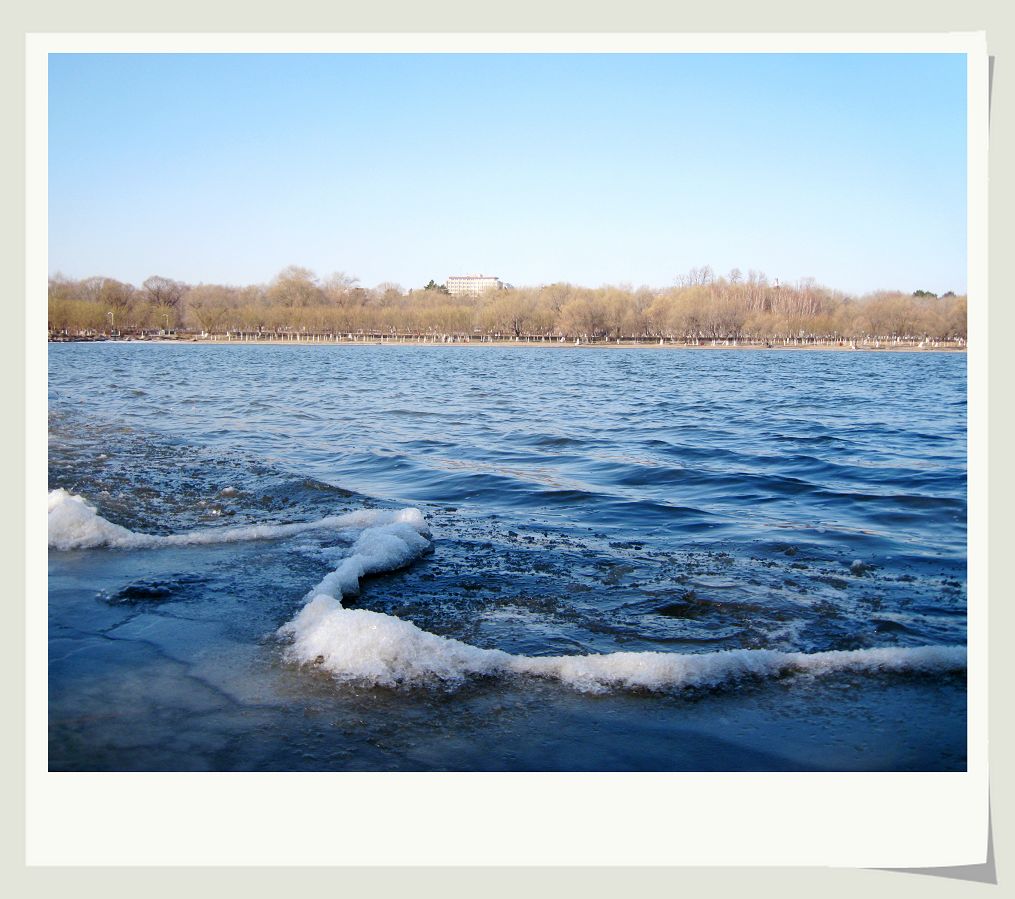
(521, 15)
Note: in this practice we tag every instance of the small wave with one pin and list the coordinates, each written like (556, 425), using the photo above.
(375, 649)
(76, 524)
(811, 439)
(371, 648)
(380, 548)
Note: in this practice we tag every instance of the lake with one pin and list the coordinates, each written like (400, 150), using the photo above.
(487, 558)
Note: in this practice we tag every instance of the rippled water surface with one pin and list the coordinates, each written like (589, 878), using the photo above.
(580, 501)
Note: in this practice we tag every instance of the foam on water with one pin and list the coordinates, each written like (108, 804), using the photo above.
(662, 671)
(381, 650)
(383, 547)
(376, 649)
(371, 648)
(75, 524)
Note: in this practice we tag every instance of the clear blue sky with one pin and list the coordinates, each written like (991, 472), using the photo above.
(587, 168)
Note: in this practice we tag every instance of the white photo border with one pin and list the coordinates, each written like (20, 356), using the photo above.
(435, 819)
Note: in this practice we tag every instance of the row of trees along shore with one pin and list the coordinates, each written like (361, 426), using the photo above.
(700, 307)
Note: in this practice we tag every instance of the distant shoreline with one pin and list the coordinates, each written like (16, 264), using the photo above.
(535, 344)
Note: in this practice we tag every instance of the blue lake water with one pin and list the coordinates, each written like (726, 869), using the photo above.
(620, 504)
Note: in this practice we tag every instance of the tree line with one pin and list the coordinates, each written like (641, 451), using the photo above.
(700, 306)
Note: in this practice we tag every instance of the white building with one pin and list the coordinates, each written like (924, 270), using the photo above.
(472, 285)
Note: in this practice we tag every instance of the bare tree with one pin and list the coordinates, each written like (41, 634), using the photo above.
(115, 294)
(704, 306)
(164, 292)
(294, 287)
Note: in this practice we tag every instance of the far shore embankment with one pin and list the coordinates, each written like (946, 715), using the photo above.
(882, 345)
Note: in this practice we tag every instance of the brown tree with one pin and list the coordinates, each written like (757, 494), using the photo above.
(164, 292)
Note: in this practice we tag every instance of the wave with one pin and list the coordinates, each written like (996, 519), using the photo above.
(374, 649)
(76, 524)
(382, 547)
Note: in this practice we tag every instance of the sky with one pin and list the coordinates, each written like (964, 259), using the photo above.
(588, 168)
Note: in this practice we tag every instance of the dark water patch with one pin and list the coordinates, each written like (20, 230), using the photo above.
(815, 439)
(837, 582)
(890, 626)
(155, 590)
